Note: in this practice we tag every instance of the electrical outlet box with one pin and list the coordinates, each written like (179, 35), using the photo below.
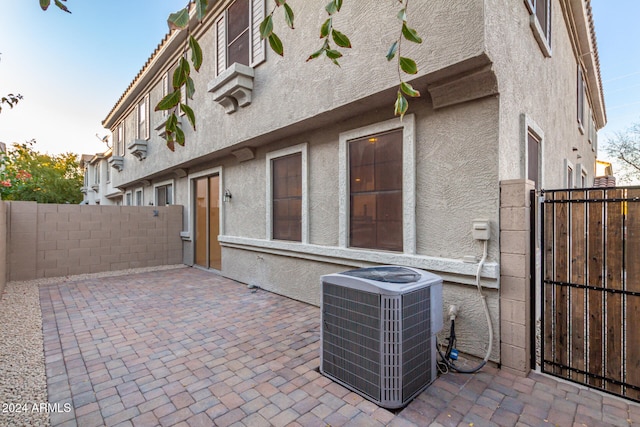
(481, 229)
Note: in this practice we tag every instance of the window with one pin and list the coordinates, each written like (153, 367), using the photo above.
(164, 195)
(540, 11)
(238, 35)
(287, 203)
(120, 140)
(86, 176)
(142, 116)
(570, 178)
(139, 199)
(127, 199)
(377, 178)
(108, 172)
(581, 98)
(165, 91)
(287, 197)
(375, 183)
(96, 174)
(533, 146)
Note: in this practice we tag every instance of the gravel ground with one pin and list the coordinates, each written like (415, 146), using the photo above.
(23, 383)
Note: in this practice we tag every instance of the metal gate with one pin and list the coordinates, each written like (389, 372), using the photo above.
(590, 293)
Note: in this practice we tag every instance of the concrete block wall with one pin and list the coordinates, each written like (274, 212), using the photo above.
(3, 246)
(515, 282)
(46, 240)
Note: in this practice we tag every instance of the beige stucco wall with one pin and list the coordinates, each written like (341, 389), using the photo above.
(46, 240)
(542, 89)
(456, 182)
(291, 95)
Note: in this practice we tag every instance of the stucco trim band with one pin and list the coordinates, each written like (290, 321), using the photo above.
(451, 270)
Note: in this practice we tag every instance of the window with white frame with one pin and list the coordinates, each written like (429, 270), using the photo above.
(96, 174)
(128, 199)
(287, 203)
(569, 174)
(237, 32)
(533, 146)
(164, 195)
(138, 197)
(142, 118)
(377, 176)
(581, 92)
(108, 172)
(165, 91)
(120, 139)
(540, 12)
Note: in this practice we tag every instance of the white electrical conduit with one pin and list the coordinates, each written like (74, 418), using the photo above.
(484, 300)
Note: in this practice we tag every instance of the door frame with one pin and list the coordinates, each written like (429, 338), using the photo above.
(192, 198)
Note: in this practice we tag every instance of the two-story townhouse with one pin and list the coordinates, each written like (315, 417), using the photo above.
(300, 169)
(98, 186)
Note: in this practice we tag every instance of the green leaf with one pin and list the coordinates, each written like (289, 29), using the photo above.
(338, 4)
(340, 39)
(201, 8)
(288, 15)
(180, 136)
(280, 2)
(392, 51)
(402, 15)
(276, 44)
(333, 54)
(190, 114)
(168, 102)
(409, 90)
(191, 87)
(196, 53)
(401, 105)
(181, 73)
(61, 6)
(179, 19)
(331, 8)
(266, 27)
(44, 4)
(315, 54)
(410, 34)
(325, 28)
(408, 65)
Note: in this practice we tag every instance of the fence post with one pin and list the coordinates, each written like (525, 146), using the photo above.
(515, 268)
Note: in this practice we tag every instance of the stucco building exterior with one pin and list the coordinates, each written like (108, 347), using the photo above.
(299, 169)
(98, 188)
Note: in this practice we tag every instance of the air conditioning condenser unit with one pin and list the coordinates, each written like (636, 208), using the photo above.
(378, 331)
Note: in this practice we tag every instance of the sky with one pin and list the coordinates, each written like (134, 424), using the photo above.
(72, 68)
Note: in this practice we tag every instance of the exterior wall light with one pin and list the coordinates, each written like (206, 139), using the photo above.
(227, 196)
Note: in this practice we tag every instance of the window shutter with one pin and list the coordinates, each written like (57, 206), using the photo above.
(221, 45)
(258, 46)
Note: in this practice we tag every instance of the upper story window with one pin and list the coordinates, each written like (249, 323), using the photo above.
(581, 95)
(108, 172)
(238, 35)
(165, 91)
(120, 139)
(142, 118)
(540, 21)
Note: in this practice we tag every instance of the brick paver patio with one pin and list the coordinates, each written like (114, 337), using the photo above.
(187, 347)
